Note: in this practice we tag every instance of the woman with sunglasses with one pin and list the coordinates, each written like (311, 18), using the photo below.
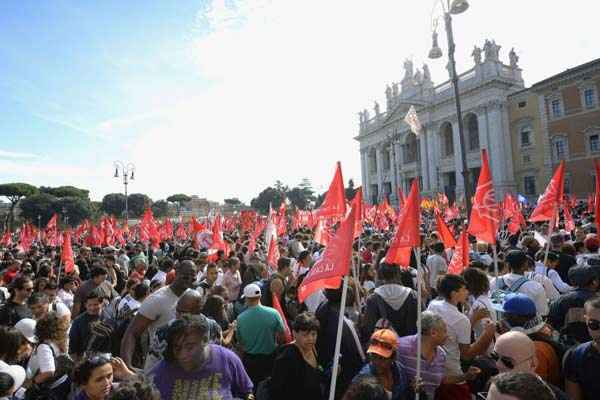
(95, 377)
(385, 369)
(296, 372)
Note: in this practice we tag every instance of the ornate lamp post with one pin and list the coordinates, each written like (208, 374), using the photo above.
(127, 170)
(455, 7)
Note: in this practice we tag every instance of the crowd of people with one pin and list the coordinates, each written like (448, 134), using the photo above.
(179, 322)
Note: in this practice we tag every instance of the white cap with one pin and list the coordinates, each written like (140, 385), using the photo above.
(16, 372)
(252, 291)
(62, 310)
(27, 328)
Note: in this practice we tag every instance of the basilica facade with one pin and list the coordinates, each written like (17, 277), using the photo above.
(392, 156)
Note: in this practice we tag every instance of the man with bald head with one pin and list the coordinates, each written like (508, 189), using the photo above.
(515, 352)
(190, 302)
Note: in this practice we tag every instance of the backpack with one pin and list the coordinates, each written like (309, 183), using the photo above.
(502, 289)
(383, 322)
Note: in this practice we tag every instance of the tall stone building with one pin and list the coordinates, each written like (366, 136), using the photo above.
(569, 111)
(392, 156)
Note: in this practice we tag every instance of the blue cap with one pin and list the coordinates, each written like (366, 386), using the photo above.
(518, 304)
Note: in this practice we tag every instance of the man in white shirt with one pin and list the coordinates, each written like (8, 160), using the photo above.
(516, 281)
(436, 263)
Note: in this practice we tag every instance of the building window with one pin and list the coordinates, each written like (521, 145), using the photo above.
(567, 183)
(473, 130)
(594, 143)
(589, 98)
(386, 160)
(556, 108)
(529, 185)
(447, 141)
(559, 148)
(522, 104)
(525, 136)
(526, 158)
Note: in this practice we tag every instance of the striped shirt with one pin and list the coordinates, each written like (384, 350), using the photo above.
(432, 372)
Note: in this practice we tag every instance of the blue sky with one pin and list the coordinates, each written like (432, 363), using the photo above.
(221, 98)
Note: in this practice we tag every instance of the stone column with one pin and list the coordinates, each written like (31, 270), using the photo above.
(424, 148)
(433, 156)
(364, 169)
(497, 148)
(393, 177)
(379, 160)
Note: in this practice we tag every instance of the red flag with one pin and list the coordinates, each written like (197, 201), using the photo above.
(509, 206)
(569, 223)
(273, 255)
(485, 215)
(451, 213)
(386, 209)
(66, 255)
(407, 235)
(334, 204)
(180, 233)
(590, 200)
(597, 196)
(6, 239)
(322, 235)
(460, 258)
(286, 328)
(335, 262)
(549, 201)
(357, 204)
(445, 235)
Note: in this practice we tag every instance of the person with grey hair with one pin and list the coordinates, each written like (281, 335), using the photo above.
(434, 335)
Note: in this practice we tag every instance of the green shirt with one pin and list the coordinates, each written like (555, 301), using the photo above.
(256, 329)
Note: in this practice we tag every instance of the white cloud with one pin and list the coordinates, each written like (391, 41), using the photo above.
(18, 155)
(286, 79)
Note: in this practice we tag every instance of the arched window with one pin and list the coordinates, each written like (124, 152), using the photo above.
(410, 149)
(472, 126)
(447, 140)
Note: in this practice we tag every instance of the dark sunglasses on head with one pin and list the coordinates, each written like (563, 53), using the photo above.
(593, 324)
(510, 364)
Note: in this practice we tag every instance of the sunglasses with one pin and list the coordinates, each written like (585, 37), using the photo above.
(28, 289)
(509, 362)
(593, 324)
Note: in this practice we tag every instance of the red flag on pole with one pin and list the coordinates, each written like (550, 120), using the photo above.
(6, 239)
(357, 204)
(335, 262)
(569, 222)
(334, 204)
(66, 255)
(286, 328)
(485, 215)
(408, 234)
(460, 258)
(548, 203)
(273, 255)
(445, 235)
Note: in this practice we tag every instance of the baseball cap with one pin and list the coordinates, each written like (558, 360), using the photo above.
(252, 291)
(16, 372)
(518, 304)
(383, 343)
(581, 275)
(27, 328)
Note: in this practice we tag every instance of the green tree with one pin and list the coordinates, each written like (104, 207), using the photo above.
(234, 201)
(137, 204)
(14, 192)
(40, 204)
(350, 190)
(114, 204)
(160, 208)
(66, 191)
(268, 196)
(75, 209)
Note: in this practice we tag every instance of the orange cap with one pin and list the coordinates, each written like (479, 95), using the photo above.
(383, 343)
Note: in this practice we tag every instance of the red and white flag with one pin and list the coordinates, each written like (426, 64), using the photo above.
(549, 201)
(412, 119)
(408, 233)
(334, 205)
(328, 271)
(485, 215)
(460, 258)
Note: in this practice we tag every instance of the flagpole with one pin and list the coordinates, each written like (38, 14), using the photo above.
(417, 251)
(338, 340)
(550, 230)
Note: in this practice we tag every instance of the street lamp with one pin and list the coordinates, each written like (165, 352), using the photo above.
(127, 170)
(455, 7)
